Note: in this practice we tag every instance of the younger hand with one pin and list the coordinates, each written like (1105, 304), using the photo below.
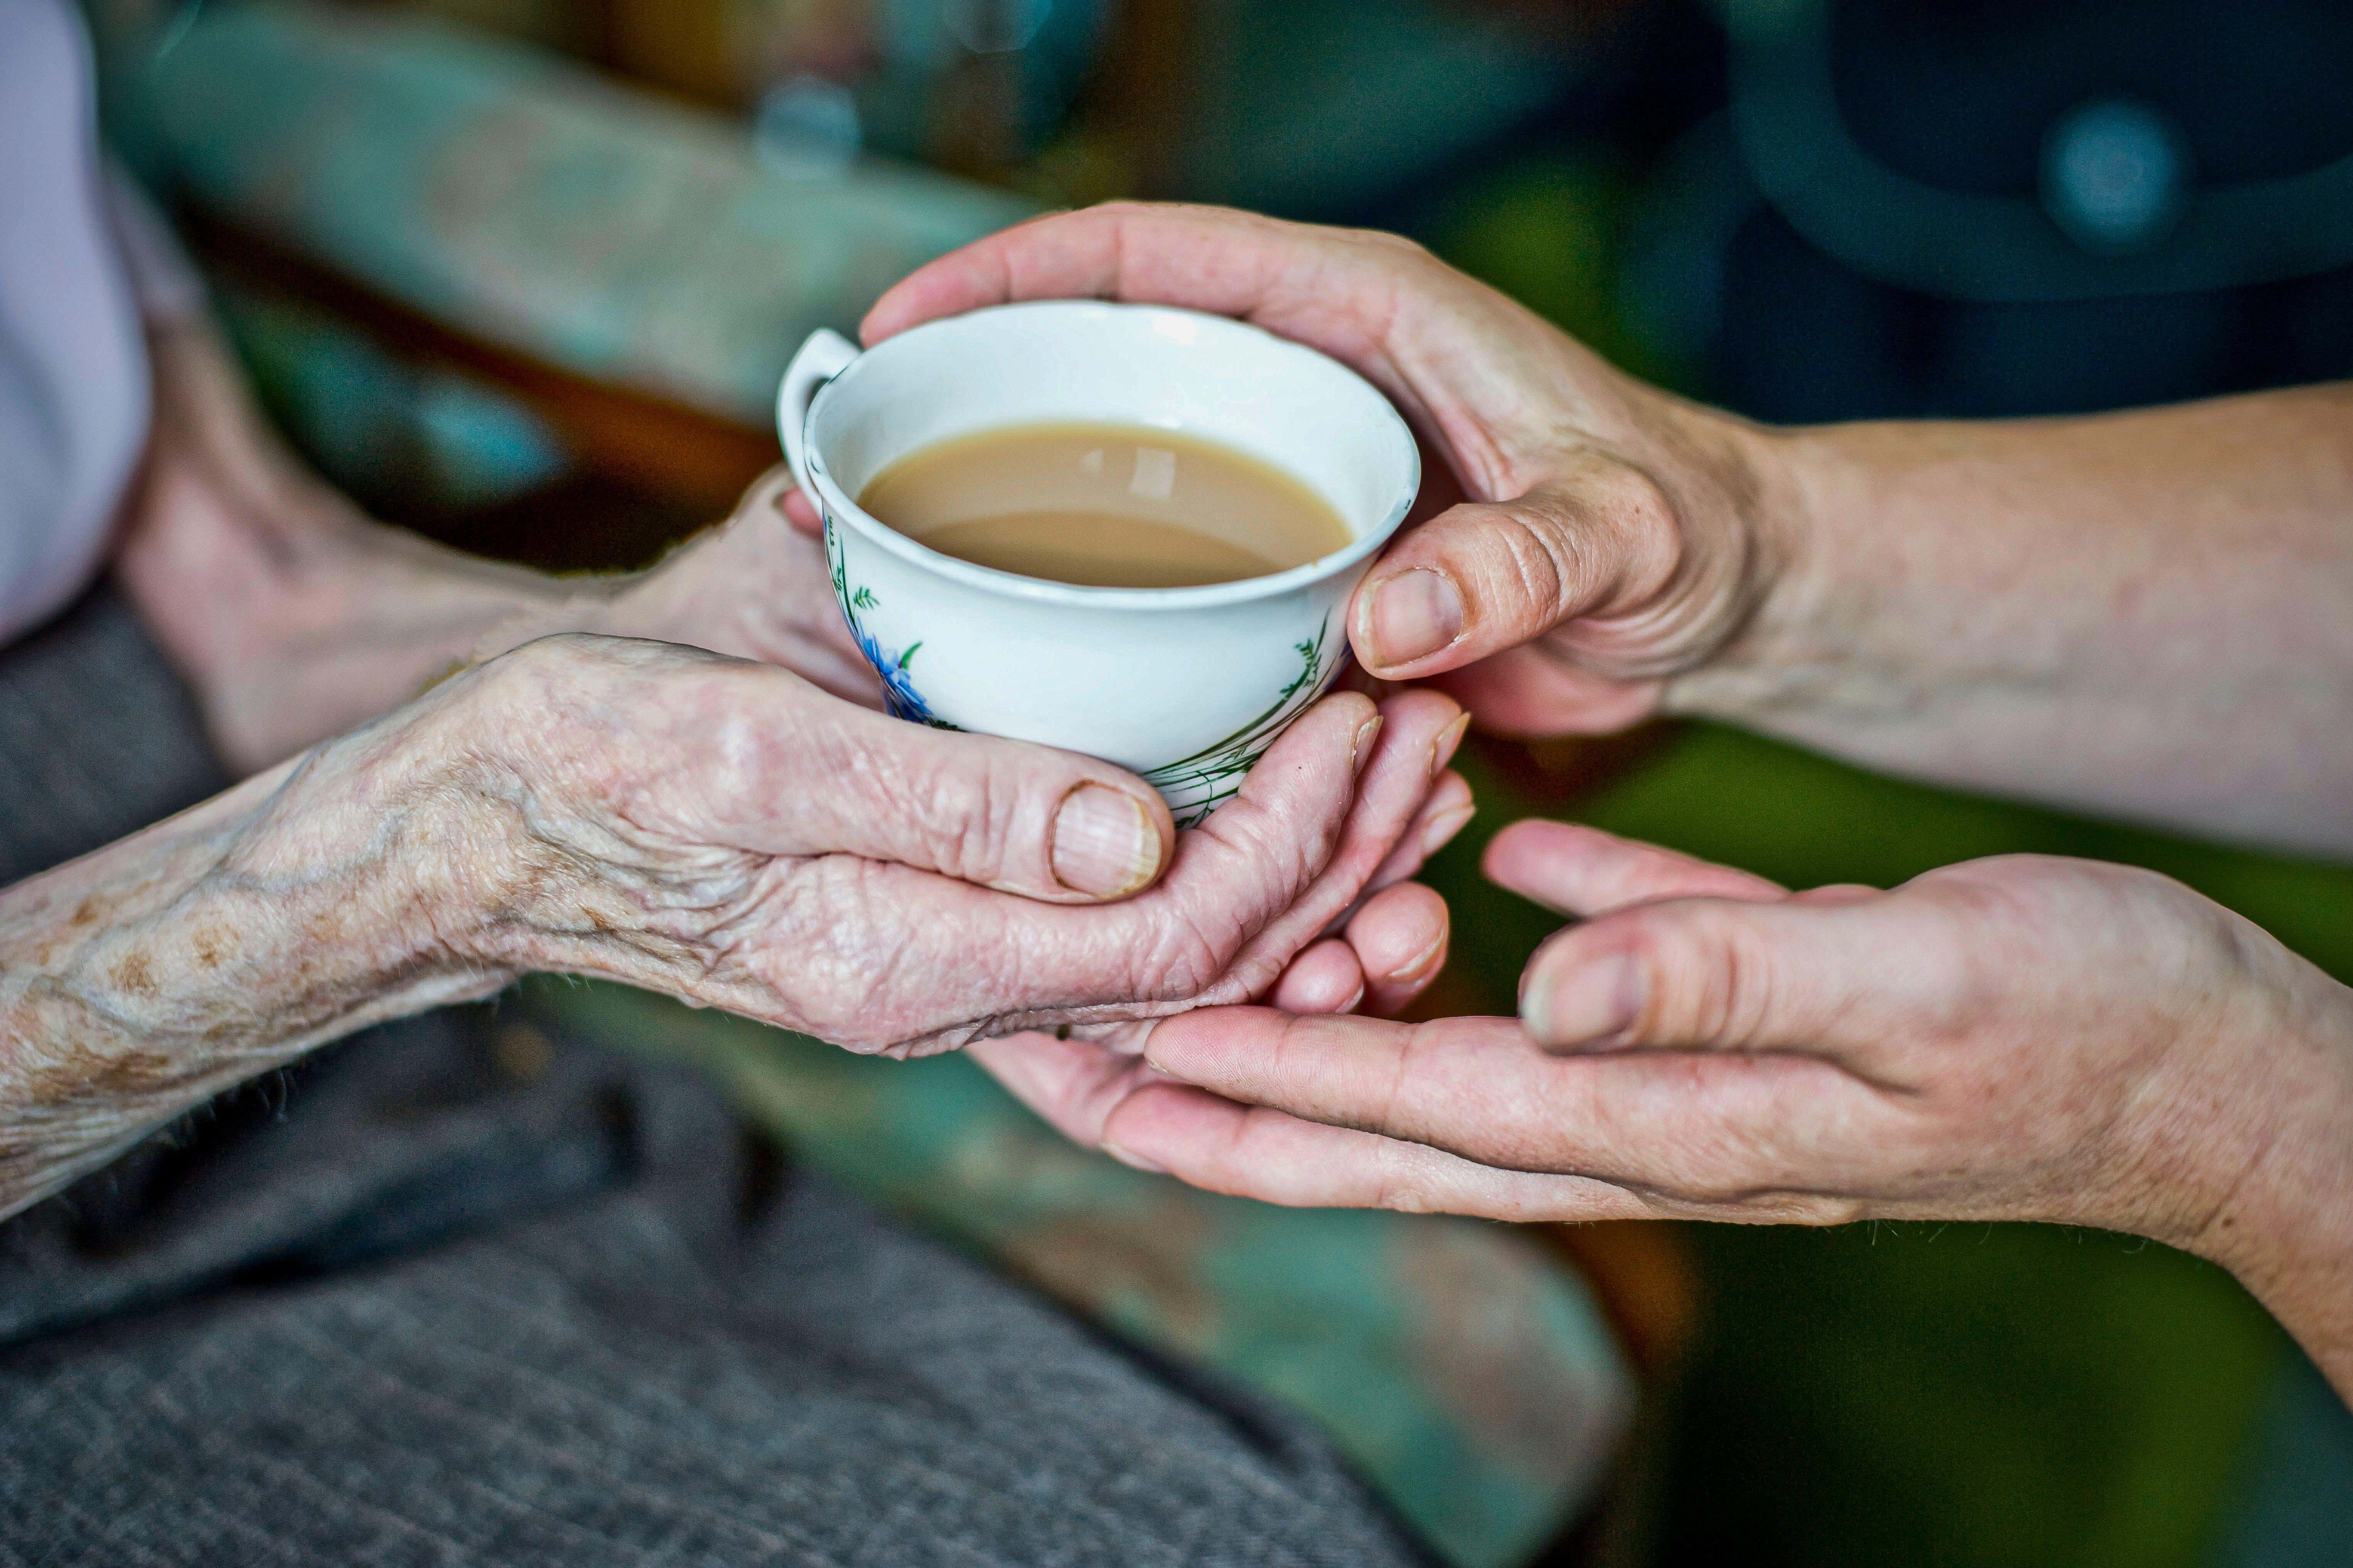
(2015, 1038)
(1609, 536)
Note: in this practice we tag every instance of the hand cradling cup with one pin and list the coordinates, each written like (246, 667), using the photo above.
(1186, 686)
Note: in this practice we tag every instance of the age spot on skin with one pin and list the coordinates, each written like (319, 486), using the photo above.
(134, 976)
(213, 944)
(131, 1072)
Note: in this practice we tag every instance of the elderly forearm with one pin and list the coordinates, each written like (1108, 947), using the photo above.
(140, 979)
(2148, 614)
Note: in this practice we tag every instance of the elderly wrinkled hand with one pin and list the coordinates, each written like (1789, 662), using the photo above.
(715, 829)
(724, 831)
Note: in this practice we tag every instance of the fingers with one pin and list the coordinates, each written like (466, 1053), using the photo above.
(1073, 1084)
(1252, 1152)
(1328, 288)
(755, 587)
(1021, 819)
(1447, 812)
(1395, 945)
(1394, 783)
(1578, 871)
(1585, 535)
(1598, 538)
(1325, 978)
(1721, 1129)
(960, 962)
(801, 512)
(895, 958)
(1099, 1099)
(1398, 940)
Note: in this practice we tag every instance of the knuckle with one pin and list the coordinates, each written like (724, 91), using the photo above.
(1712, 984)
(1527, 560)
(969, 816)
(1628, 495)
(1185, 962)
(1397, 246)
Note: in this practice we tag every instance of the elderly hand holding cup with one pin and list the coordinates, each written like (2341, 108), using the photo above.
(680, 780)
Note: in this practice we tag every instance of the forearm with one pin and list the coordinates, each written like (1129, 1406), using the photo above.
(143, 979)
(2148, 614)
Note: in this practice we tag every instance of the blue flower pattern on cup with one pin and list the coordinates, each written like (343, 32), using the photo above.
(898, 685)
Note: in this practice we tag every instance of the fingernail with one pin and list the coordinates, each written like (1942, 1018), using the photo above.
(1583, 1005)
(1360, 747)
(1412, 614)
(1443, 827)
(1137, 1160)
(1105, 842)
(1420, 963)
(1449, 741)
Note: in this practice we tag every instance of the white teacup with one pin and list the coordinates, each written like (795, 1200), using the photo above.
(1187, 687)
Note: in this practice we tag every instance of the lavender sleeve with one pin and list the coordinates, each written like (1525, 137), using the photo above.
(74, 390)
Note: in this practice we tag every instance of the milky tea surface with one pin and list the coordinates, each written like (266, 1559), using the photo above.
(1107, 506)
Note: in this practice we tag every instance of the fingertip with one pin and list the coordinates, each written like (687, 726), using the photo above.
(896, 311)
(1339, 719)
(1325, 978)
(1165, 1128)
(1189, 1046)
(1573, 997)
(1516, 842)
(1356, 708)
(800, 511)
(1406, 621)
(1581, 870)
(1450, 740)
(1449, 810)
(1399, 937)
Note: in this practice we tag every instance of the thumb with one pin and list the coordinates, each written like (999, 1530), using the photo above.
(1488, 575)
(1020, 818)
(785, 768)
(1715, 973)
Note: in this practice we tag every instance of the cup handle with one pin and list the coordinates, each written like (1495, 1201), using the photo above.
(824, 356)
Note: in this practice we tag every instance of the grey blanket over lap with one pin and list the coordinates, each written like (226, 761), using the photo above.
(417, 1302)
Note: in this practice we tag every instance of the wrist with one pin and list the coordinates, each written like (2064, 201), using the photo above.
(2282, 1221)
(1776, 484)
(515, 782)
(373, 849)
(556, 608)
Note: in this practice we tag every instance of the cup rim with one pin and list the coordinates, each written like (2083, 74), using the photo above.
(1206, 596)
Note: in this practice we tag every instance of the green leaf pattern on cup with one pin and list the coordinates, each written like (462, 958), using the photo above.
(1215, 771)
